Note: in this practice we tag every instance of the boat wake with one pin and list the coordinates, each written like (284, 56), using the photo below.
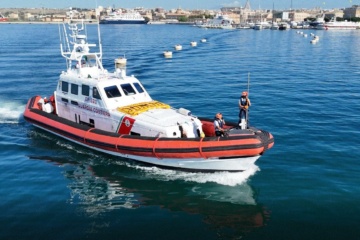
(10, 112)
(223, 178)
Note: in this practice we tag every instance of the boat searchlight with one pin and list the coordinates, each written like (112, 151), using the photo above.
(120, 67)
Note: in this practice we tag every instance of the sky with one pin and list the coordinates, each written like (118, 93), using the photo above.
(184, 4)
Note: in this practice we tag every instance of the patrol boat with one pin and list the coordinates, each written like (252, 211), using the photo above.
(113, 113)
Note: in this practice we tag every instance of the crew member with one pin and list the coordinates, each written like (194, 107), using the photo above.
(219, 123)
(244, 104)
(45, 105)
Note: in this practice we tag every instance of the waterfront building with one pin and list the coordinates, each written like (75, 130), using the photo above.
(336, 13)
(245, 12)
(352, 12)
(13, 16)
(298, 16)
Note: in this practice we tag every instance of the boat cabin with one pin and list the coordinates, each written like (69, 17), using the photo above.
(113, 101)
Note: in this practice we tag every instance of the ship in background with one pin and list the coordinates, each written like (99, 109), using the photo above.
(121, 17)
(341, 25)
(219, 21)
(3, 18)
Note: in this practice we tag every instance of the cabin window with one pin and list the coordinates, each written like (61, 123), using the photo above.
(128, 89)
(64, 86)
(85, 90)
(139, 88)
(74, 89)
(96, 93)
(92, 62)
(112, 92)
(91, 122)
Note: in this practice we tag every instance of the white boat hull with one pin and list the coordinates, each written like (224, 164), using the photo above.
(190, 164)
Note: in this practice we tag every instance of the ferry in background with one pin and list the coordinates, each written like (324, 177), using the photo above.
(120, 17)
(333, 24)
(3, 18)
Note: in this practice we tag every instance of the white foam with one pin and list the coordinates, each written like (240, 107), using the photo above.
(223, 178)
(10, 112)
(74, 147)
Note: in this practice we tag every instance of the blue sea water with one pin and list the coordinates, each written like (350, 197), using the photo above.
(306, 95)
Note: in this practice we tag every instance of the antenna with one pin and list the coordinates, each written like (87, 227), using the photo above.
(248, 86)
(248, 90)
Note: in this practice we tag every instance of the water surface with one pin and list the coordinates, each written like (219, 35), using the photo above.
(305, 187)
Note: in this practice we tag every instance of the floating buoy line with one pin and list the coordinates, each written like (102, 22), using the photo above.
(179, 47)
(168, 54)
(315, 39)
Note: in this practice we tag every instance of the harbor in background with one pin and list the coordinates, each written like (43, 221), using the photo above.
(243, 17)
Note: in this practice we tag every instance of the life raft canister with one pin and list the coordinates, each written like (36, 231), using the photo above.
(126, 125)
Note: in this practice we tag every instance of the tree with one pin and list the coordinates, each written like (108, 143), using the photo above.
(183, 19)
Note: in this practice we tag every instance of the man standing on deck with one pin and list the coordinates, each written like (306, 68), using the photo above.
(244, 104)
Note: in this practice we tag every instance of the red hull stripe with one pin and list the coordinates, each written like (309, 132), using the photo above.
(247, 145)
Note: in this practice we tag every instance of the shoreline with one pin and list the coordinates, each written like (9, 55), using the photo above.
(87, 22)
(9, 22)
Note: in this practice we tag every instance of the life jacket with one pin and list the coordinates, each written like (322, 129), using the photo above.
(244, 102)
(220, 122)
